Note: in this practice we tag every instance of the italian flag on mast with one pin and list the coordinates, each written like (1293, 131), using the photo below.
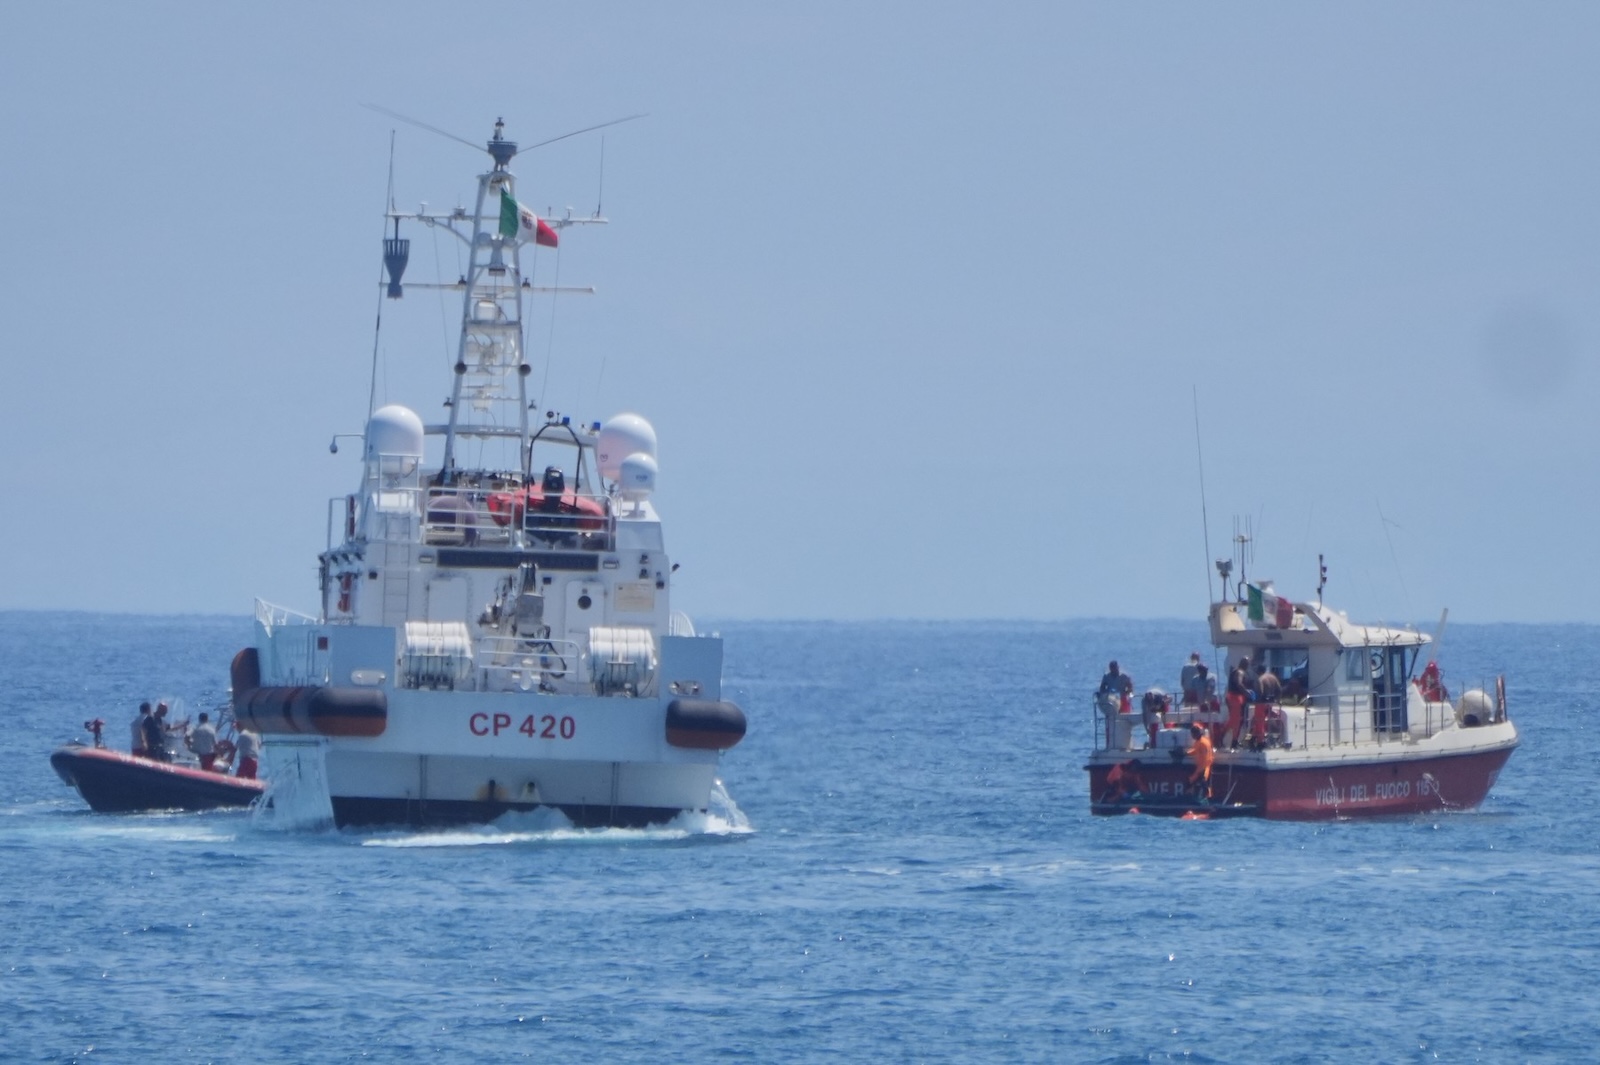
(517, 221)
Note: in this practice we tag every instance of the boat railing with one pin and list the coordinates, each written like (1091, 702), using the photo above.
(490, 516)
(491, 513)
(273, 616)
(1316, 722)
(1352, 718)
(291, 652)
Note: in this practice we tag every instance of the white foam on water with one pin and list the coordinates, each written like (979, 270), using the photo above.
(722, 817)
(175, 826)
(297, 787)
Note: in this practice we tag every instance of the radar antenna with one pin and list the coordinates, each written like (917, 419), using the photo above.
(397, 116)
(500, 150)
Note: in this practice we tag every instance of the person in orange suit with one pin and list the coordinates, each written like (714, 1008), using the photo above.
(1124, 782)
(1203, 756)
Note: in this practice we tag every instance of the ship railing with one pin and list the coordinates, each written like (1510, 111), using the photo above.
(515, 663)
(490, 516)
(273, 616)
(1355, 718)
(290, 651)
(1316, 722)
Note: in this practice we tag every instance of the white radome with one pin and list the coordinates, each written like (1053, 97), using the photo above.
(637, 477)
(394, 433)
(620, 437)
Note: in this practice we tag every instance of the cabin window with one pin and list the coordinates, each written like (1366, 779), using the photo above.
(1357, 663)
(1292, 665)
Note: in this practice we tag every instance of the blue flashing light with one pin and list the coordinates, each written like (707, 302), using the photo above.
(566, 419)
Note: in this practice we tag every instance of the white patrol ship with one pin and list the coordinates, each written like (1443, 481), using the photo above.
(496, 636)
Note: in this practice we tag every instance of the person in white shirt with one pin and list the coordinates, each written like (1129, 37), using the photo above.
(249, 750)
(202, 740)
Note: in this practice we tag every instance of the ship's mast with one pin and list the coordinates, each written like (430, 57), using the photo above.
(490, 350)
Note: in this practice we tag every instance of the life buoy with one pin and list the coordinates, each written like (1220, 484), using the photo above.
(346, 581)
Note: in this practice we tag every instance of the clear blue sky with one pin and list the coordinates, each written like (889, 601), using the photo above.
(918, 296)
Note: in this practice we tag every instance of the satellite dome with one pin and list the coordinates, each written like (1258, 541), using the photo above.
(621, 436)
(394, 435)
(637, 476)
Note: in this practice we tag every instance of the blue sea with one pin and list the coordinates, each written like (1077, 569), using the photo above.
(903, 869)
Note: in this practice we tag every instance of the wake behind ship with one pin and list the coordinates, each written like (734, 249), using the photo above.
(496, 636)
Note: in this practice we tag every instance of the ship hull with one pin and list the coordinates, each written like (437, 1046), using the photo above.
(370, 788)
(361, 812)
(118, 782)
(451, 758)
(1281, 786)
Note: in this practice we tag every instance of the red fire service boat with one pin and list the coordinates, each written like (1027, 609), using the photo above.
(1309, 716)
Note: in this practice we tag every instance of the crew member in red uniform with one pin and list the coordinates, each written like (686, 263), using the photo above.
(1237, 694)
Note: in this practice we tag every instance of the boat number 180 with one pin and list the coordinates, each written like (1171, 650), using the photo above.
(545, 727)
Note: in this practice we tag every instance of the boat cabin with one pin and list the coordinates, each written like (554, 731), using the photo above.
(1338, 677)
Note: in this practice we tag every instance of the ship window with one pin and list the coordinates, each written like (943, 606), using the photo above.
(1292, 666)
(1355, 663)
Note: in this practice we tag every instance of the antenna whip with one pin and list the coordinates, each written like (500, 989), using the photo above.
(1205, 525)
(377, 325)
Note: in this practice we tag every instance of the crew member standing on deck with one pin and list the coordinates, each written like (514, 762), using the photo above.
(155, 735)
(1269, 691)
(140, 749)
(1119, 685)
(1186, 678)
(1237, 695)
(1203, 756)
(1114, 696)
(202, 740)
(249, 749)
